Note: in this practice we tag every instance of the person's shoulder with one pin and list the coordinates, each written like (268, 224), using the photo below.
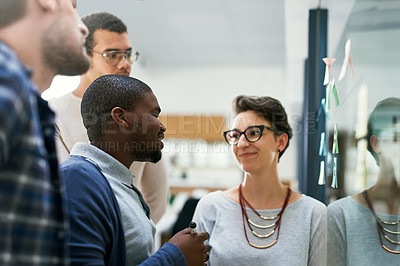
(212, 196)
(339, 205)
(18, 98)
(312, 203)
(62, 98)
(15, 83)
(63, 102)
(209, 205)
(74, 163)
(337, 210)
(79, 170)
(214, 199)
(82, 179)
(9, 62)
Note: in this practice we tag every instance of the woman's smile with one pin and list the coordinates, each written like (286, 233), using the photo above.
(246, 155)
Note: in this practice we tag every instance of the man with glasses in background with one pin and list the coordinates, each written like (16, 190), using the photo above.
(110, 52)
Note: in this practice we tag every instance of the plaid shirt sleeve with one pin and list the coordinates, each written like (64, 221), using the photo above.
(32, 227)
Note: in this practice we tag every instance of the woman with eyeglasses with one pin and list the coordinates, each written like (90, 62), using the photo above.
(261, 221)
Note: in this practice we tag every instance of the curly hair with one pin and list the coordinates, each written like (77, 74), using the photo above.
(101, 21)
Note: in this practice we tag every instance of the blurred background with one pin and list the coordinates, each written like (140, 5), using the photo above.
(198, 55)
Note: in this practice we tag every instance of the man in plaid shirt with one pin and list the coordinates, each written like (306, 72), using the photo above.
(38, 39)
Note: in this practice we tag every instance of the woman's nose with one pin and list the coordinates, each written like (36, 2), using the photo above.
(242, 141)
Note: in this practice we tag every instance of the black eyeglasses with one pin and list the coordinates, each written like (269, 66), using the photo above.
(252, 134)
(115, 56)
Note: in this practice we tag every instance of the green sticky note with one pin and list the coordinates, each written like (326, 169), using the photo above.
(335, 95)
(328, 100)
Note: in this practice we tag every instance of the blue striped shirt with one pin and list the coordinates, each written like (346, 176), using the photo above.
(32, 224)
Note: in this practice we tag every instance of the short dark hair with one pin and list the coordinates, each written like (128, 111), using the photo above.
(101, 21)
(270, 109)
(385, 114)
(105, 93)
(11, 11)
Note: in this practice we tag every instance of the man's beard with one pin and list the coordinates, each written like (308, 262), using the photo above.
(63, 55)
(145, 152)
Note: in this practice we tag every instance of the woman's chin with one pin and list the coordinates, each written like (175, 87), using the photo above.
(248, 168)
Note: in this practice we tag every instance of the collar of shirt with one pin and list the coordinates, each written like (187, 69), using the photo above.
(107, 164)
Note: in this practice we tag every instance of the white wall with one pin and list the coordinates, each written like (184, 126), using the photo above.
(210, 91)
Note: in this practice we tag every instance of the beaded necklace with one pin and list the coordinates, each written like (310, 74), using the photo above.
(381, 229)
(246, 220)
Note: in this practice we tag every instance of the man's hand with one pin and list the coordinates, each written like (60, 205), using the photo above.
(192, 246)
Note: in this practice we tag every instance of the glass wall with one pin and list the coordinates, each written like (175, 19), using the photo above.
(363, 211)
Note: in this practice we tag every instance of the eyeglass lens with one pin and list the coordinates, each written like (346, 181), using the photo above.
(114, 57)
(252, 134)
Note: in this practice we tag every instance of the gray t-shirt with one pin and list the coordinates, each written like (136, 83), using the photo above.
(302, 238)
(353, 236)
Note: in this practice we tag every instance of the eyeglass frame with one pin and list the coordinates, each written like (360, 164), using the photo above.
(261, 127)
(106, 54)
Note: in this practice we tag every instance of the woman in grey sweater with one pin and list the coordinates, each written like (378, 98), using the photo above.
(364, 229)
(262, 221)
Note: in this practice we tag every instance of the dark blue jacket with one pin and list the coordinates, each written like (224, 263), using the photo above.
(96, 235)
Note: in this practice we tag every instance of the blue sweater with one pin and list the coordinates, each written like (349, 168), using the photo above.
(96, 232)
(96, 235)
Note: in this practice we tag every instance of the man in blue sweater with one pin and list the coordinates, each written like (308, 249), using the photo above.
(110, 221)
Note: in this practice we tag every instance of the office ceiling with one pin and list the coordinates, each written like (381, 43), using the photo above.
(176, 33)
(186, 34)
(203, 33)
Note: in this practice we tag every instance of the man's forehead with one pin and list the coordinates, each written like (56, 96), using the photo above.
(148, 103)
(111, 40)
(153, 102)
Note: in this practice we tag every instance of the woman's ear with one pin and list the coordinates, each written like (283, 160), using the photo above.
(282, 141)
(118, 114)
(374, 143)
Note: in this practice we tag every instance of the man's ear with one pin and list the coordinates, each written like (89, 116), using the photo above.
(48, 5)
(118, 115)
